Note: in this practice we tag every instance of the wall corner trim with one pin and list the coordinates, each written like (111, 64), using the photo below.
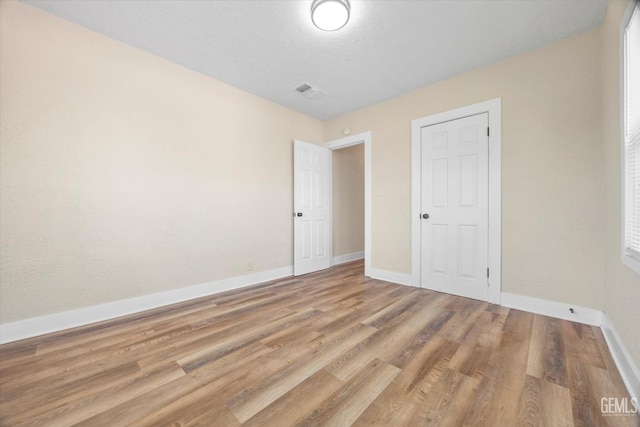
(341, 259)
(628, 370)
(625, 364)
(35, 326)
(391, 276)
(559, 310)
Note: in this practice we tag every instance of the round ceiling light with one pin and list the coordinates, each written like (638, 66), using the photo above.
(330, 15)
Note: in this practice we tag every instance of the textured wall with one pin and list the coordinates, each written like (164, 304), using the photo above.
(123, 174)
(621, 284)
(348, 200)
(552, 182)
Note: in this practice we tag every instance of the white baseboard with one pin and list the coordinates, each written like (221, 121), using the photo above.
(341, 259)
(35, 326)
(28, 328)
(627, 368)
(588, 316)
(391, 276)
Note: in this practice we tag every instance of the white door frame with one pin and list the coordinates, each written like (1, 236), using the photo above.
(348, 141)
(494, 108)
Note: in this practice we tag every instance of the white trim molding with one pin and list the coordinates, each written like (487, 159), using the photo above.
(588, 316)
(341, 259)
(348, 141)
(494, 109)
(35, 326)
(628, 370)
(392, 276)
(627, 259)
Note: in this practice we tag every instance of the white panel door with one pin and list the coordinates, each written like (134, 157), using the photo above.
(455, 206)
(312, 208)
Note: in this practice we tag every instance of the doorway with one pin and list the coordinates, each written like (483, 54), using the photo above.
(363, 138)
(348, 204)
(456, 203)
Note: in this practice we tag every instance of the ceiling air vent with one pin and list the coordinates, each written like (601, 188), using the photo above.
(310, 91)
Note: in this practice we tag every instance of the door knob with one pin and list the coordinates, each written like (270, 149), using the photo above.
(425, 216)
(299, 214)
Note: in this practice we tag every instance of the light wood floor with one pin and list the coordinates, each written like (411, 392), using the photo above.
(330, 348)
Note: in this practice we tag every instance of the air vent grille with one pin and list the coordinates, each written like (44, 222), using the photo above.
(309, 91)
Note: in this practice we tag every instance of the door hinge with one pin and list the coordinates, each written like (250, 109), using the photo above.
(487, 273)
(487, 131)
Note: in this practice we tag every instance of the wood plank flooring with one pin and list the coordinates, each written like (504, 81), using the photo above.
(330, 348)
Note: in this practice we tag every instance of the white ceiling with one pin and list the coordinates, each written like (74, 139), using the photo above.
(388, 48)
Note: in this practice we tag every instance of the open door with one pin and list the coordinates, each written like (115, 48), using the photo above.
(312, 231)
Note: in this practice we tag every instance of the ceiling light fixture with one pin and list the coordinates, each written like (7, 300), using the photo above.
(330, 15)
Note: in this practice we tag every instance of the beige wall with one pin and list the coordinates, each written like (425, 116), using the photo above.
(551, 167)
(123, 174)
(348, 200)
(621, 284)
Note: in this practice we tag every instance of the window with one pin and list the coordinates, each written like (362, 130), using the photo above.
(631, 140)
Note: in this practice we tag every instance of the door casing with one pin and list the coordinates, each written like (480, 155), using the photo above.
(493, 107)
(348, 141)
